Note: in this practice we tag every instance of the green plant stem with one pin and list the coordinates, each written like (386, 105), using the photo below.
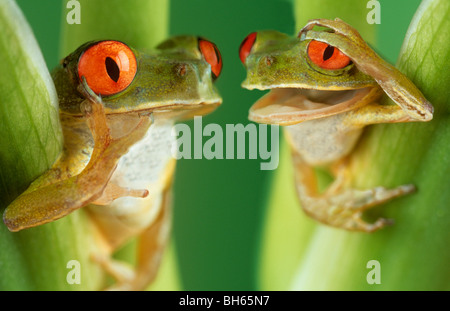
(415, 252)
(139, 23)
(31, 140)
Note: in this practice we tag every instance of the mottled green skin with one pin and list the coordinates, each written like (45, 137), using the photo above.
(159, 81)
(278, 60)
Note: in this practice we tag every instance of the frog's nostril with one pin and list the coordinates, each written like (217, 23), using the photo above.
(246, 46)
(181, 70)
(269, 61)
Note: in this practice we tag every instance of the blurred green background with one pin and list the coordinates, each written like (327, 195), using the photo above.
(219, 205)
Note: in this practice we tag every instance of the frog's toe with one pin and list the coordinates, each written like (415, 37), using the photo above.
(114, 191)
(344, 209)
(356, 223)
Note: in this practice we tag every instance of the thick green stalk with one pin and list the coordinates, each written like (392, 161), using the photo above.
(140, 23)
(31, 140)
(413, 254)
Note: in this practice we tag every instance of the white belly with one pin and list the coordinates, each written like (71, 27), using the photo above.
(145, 166)
(145, 163)
(322, 141)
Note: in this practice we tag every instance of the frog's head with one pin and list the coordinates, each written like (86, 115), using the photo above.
(308, 79)
(178, 76)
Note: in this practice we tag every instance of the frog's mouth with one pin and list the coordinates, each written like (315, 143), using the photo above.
(177, 110)
(186, 111)
(288, 106)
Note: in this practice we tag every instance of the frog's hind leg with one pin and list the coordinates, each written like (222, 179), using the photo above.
(152, 243)
(339, 206)
(150, 248)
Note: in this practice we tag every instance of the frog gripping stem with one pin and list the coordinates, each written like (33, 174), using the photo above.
(342, 207)
(40, 205)
(398, 87)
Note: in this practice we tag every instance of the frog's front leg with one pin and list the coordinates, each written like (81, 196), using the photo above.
(42, 204)
(339, 206)
(394, 83)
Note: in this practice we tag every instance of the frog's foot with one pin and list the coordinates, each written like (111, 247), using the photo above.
(396, 85)
(338, 25)
(344, 209)
(349, 42)
(113, 191)
(105, 146)
(108, 150)
(341, 206)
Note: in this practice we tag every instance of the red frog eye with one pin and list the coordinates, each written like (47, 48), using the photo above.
(109, 67)
(246, 46)
(326, 56)
(212, 55)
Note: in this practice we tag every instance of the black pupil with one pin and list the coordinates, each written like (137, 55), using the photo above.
(112, 68)
(243, 42)
(217, 54)
(328, 52)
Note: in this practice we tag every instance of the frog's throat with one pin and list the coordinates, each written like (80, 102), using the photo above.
(288, 106)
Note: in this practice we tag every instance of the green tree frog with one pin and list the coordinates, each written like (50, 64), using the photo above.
(117, 109)
(325, 87)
